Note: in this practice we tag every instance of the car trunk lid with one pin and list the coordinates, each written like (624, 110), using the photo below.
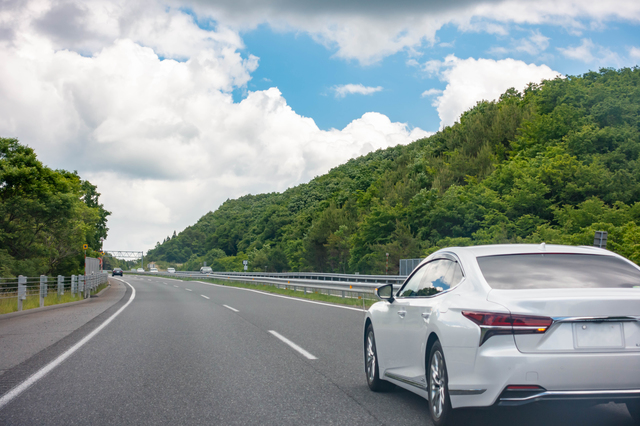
(585, 320)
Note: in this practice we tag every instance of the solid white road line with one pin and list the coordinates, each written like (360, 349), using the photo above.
(229, 307)
(188, 289)
(284, 297)
(293, 345)
(204, 296)
(13, 393)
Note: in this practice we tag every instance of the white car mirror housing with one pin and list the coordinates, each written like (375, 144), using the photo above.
(385, 292)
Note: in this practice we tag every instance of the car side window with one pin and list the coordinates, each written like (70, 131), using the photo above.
(411, 287)
(432, 278)
(456, 274)
(435, 280)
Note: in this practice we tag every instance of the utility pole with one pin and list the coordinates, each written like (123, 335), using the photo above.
(386, 272)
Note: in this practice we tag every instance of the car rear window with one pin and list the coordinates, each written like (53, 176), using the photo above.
(558, 270)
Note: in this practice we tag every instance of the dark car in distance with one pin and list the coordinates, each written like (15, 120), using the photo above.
(116, 271)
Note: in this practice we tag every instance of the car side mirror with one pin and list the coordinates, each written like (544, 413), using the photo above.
(385, 292)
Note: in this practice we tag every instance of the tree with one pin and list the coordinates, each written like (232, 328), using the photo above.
(45, 215)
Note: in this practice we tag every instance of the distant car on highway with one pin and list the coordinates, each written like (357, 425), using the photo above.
(116, 271)
(153, 269)
(171, 270)
(139, 270)
(206, 270)
(507, 325)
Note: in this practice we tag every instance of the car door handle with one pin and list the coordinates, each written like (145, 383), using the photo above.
(402, 313)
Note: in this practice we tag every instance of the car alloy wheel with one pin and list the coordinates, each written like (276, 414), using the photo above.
(371, 364)
(439, 403)
(371, 357)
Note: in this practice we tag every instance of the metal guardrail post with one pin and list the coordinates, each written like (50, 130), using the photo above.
(81, 284)
(60, 285)
(22, 290)
(43, 289)
(74, 284)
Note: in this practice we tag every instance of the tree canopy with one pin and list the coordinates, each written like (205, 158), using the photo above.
(553, 163)
(45, 215)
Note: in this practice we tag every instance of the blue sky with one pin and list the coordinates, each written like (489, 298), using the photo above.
(305, 71)
(205, 100)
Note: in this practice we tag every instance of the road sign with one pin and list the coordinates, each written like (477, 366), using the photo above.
(600, 239)
(85, 246)
(245, 262)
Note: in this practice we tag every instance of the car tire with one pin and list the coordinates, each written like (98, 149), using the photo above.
(634, 410)
(438, 386)
(371, 364)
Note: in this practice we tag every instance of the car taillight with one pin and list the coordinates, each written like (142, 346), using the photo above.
(492, 324)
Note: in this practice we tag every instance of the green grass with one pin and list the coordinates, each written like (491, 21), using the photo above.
(351, 301)
(11, 304)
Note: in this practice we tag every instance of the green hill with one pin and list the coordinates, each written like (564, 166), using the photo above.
(553, 163)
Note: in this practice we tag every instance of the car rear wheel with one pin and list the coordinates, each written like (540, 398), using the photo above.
(371, 364)
(634, 410)
(439, 402)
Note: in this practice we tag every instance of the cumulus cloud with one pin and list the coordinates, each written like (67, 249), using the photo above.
(471, 80)
(162, 138)
(354, 89)
(634, 52)
(368, 31)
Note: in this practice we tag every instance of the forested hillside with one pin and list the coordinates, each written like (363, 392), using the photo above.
(553, 163)
(45, 216)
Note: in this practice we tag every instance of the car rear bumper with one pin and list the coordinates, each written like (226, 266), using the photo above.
(482, 380)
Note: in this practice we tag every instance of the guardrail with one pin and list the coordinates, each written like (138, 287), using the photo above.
(359, 286)
(319, 276)
(22, 287)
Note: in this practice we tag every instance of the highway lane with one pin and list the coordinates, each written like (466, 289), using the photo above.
(192, 353)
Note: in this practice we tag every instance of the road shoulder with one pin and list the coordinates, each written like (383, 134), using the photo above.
(24, 336)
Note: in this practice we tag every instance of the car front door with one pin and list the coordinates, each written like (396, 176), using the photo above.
(390, 325)
(440, 275)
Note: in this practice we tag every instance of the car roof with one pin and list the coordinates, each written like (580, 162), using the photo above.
(498, 249)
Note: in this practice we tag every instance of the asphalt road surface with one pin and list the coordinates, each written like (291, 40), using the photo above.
(191, 353)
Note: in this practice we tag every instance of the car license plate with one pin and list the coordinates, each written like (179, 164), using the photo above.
(598, 335)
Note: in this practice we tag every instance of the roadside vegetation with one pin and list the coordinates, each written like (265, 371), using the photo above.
(553, 163)
(8, 305)
(45, 216)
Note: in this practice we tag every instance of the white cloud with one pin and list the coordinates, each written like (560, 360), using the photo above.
(634, 52)
(357, 29)
(591, 53)
(581, 53)
(354, 89)
(164, 140)
(532, 45)
(368, 31)
(472, 80)
(431, 92)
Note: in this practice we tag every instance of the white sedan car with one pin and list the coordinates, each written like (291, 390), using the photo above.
(508, 325)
